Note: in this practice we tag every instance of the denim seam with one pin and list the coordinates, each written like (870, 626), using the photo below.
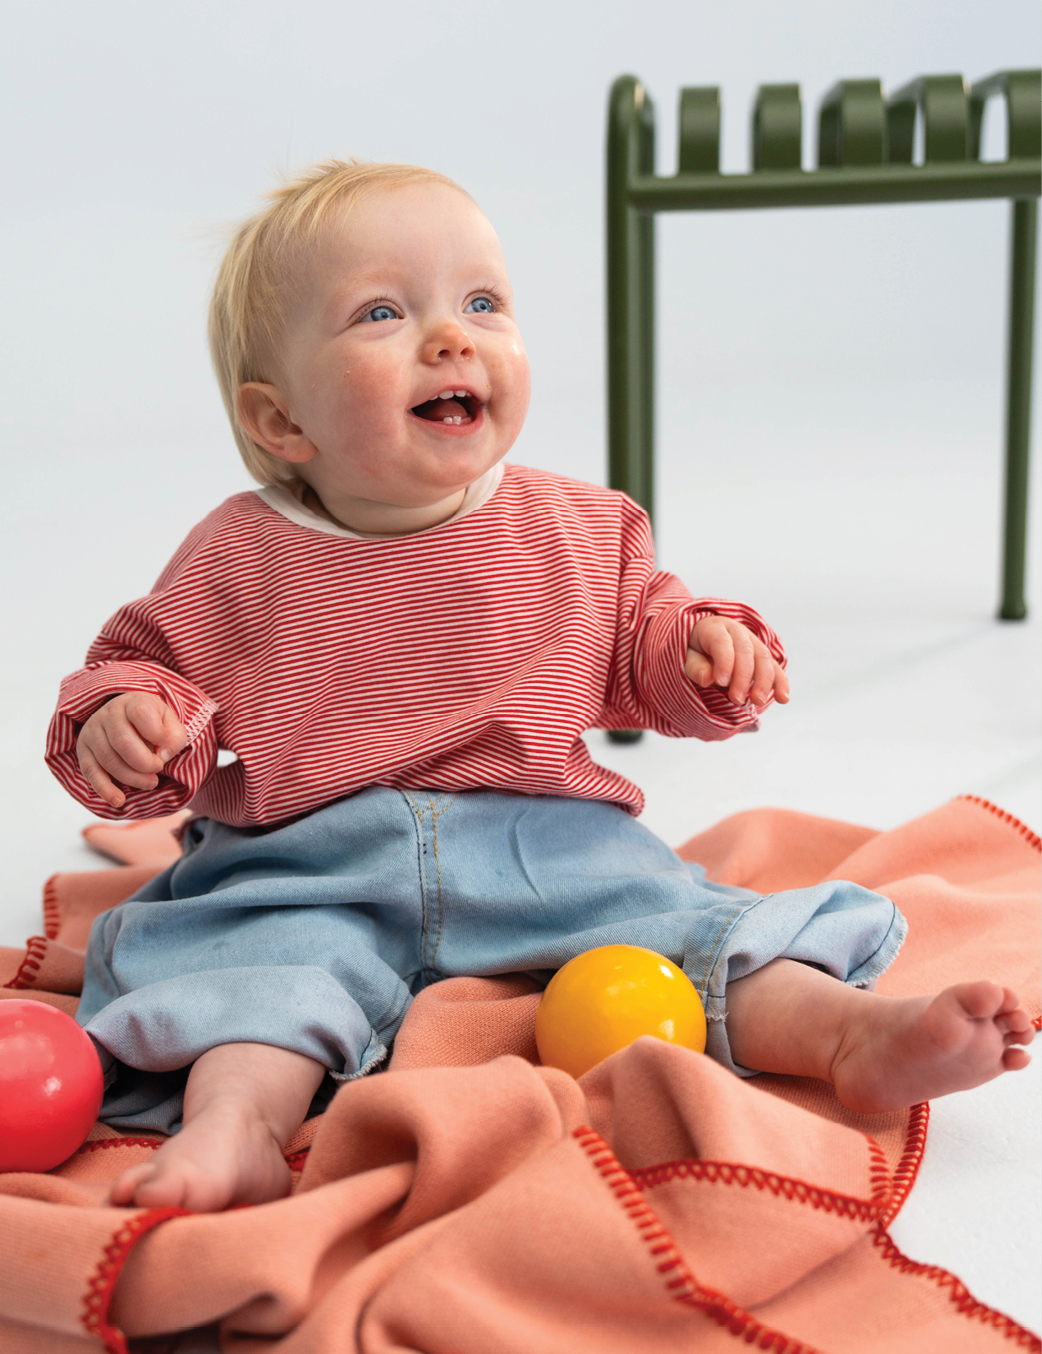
(391, 1018)
(421, 815)
(736, 917)
(421, 869)
(435, 815)
(727, 926)
(429, 898)
(898, 915)
(437, 868)
(380, 1056)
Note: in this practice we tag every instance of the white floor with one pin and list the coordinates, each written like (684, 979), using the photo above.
(873, 550)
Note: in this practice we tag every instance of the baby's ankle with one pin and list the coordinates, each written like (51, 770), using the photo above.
(228, 1113)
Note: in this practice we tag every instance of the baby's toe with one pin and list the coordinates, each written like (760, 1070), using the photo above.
(126, 1186)
(1023, 1034)
(163, 1189)
(980, 1000)
(1015, 1059)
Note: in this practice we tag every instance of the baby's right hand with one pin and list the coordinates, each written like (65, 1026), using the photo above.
(131, 737)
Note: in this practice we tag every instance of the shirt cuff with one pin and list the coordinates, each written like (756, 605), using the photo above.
(86, 691)
(686, 709)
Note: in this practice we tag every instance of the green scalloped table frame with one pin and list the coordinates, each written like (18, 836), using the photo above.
(865, 155)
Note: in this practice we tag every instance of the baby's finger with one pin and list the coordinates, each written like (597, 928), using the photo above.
(719, 645)
(144, 713)
(764, 674)
(128, 745)
(712, 637)
(175, 736)
(111, 762)
(156, 722)
(781, 685)
(99, 781)
(699, 668)
(744, 666)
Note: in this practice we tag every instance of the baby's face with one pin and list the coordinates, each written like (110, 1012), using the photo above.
(402, 365)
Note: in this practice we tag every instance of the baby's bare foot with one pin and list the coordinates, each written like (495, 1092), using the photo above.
(226, 1155)
(903, 1051)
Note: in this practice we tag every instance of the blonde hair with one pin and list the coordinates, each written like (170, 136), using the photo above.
(248, 308)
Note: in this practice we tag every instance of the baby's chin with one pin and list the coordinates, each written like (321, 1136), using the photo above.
(409, 467)
(446, 471)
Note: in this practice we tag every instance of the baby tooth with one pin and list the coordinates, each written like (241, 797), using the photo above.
(446, 395)
(461, 393)
(447, 420)
(458, 419)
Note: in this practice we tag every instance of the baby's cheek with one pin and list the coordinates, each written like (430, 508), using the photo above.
(369, 394)
(517, 378)
(370, 371)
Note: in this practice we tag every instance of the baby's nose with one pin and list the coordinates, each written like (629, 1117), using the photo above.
(447, 340)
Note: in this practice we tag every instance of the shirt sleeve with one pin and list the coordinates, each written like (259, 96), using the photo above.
(129, 655)
(648, 688)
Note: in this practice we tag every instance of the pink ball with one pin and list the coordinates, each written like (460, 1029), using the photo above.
(50, 1086)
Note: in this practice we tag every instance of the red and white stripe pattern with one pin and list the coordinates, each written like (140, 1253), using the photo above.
(472, 655)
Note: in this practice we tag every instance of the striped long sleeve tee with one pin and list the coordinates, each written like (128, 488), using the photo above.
(470, 655)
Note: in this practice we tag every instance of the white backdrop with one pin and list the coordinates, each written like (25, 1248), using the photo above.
(136, 133)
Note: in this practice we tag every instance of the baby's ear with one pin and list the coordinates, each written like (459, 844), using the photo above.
(263, 415)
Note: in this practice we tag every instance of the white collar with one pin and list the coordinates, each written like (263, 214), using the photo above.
(284, 501)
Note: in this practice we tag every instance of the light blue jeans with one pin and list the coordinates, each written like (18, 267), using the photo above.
(315, 936)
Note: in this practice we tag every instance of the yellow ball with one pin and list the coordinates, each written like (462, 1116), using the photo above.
(604, 999)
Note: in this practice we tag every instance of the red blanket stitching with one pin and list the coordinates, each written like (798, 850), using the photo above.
(99, 1290)
(728, 1173)
(911, 1160)
(35, 948)
(51, 915)
(958, 1293)
(681, 1284)
(1032, 838)
(878, 1172)
(100, 1144)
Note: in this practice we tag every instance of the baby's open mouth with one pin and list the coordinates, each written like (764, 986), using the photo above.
(451, 406)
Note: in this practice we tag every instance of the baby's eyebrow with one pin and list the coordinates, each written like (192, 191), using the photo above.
(367, 280)
(364, 277)
(354, 289)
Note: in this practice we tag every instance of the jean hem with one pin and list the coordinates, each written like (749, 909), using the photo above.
(718, 1045)
(368, 1062)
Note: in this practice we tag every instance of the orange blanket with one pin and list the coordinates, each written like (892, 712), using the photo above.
(469, 1200)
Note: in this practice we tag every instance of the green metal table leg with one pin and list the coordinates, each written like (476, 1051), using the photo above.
(646, 245)
(630, 266)
(631, 304)
(1018, 404)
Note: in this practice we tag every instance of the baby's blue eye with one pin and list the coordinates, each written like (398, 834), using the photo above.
(481, 305)
(381, 313)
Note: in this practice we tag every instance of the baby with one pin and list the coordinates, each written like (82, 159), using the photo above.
(402, 641)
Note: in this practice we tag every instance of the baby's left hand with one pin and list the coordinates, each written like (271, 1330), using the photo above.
(724, 653)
